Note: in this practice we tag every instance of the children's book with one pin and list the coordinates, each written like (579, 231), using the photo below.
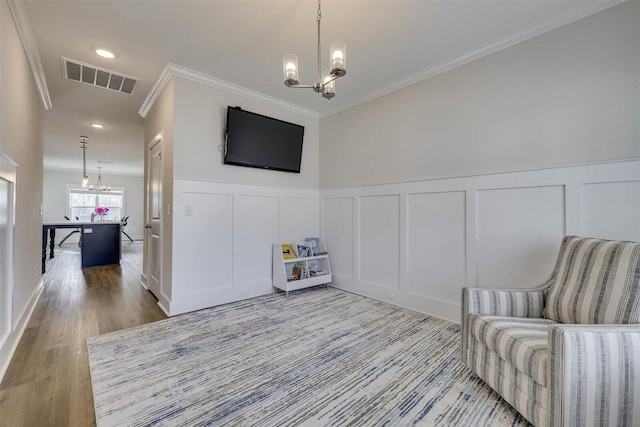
(288, 252)
(314, 243)
(304, 250)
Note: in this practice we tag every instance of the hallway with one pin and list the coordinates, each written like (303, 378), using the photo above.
(48, 382)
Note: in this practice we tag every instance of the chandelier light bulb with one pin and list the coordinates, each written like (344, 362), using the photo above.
(338, 59)
(329, 85)
(290, 65)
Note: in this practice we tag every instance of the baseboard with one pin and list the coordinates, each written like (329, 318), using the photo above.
(9, 347)
(164, 307)
(434, 307)
(143, 281)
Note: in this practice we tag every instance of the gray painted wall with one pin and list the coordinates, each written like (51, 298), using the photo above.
(21, 139)
(569, 96)
(200, 120)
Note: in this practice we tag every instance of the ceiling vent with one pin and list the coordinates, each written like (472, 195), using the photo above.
(99, 77)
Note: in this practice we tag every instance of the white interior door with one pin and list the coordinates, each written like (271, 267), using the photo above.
(7, 215)
(154, 217)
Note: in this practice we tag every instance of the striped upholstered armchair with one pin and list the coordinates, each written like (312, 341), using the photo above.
(566, 353)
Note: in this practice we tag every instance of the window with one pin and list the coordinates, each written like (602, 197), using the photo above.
(82, 203)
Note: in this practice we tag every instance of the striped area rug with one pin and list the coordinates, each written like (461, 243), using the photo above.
(323, 357)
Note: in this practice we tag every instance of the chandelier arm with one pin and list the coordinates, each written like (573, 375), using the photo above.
(330, 80)
(298, 86)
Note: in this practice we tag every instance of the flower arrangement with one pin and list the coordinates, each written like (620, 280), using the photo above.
(102, 212)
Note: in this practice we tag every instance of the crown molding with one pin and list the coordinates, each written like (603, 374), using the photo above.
(156, 90)
(536, 29)
(23, 25)
(174, 70)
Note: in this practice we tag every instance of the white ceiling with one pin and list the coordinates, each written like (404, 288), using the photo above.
(390, 43)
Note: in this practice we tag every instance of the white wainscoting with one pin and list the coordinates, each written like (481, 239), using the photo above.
(418, 244)
(222, 252)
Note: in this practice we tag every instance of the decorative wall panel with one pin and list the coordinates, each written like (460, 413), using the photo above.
(436, 242)
(611, 210)
(518, 235)
(379, 240)
(418, 243)
(337, 221)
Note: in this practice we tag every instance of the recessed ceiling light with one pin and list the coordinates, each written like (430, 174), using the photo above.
(97, 125)
(105, 53)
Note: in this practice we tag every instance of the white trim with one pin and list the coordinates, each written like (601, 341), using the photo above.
(8, 173)
(514, 171)
(8, 159)
(156, 90)
(164, 305)
(10, 345)
(536, 29)
(174, 70)
(23, 25)
(440, 309)
(163, 300)
(143, 278)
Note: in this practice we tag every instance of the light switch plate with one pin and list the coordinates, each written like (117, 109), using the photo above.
(188, 211)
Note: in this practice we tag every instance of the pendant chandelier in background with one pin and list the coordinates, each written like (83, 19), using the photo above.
(99, 186)
(83, 146)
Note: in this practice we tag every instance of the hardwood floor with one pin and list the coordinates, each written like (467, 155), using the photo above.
(47, 382)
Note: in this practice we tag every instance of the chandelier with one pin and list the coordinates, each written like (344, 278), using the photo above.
(99, 186)
(83, 146)
(326, 83)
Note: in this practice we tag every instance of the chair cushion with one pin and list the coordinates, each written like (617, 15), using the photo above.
(520, 341)
(595, 281)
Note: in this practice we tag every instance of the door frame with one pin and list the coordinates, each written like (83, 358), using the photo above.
(8, 172)
(163, 301)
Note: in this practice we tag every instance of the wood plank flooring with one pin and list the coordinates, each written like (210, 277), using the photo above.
(47, 382)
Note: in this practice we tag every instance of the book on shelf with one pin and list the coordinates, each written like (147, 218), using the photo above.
(314, 243)
(299, 272)
(304, 250)
(313, 273)
(288, 251)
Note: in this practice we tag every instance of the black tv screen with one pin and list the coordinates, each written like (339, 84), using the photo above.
(259, 141)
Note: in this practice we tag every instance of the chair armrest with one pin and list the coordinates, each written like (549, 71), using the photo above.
(499, 302)
(594, 375)
(503, 302)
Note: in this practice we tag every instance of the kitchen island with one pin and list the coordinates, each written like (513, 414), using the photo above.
(101, 242)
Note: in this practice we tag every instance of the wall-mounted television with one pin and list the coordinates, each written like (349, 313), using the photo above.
(263, 142)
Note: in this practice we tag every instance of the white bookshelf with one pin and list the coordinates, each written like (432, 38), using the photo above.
(317, 268)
